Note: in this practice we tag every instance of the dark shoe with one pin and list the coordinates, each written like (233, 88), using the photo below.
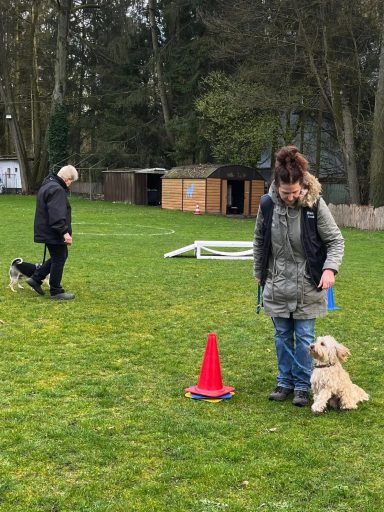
(63, 296)
(280, 394)
(300, 398)
(35, 286)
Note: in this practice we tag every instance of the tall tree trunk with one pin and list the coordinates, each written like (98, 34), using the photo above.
(6, 95)
(35, 96)
(78, 109)
(61, 54)
(302, 125)
(17, 137)
(349, 152)
(58, 93)
(376, 172)
(338, 105)
(152, 7)
(319, 131)
(16, 72)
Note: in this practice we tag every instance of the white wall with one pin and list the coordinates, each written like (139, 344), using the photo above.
(10, 173)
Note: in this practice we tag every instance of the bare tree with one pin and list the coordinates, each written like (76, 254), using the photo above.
(376, 190)
(36, 128)
(335, 97)
(7, 96)
(60, 83)
(152, 9)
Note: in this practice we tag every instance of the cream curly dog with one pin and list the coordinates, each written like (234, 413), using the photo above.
(331, 384)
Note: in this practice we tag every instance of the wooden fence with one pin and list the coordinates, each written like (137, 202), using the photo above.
(360, 217)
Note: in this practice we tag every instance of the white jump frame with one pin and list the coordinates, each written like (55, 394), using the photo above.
(202, 247)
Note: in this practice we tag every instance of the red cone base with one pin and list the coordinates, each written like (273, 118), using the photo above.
(210, 383)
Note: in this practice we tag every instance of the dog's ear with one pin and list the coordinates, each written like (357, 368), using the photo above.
(342, 352)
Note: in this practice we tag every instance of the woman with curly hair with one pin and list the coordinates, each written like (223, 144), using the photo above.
(298, 249)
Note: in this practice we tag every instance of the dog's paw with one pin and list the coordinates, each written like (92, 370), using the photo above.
(317, 409)
(348, 407)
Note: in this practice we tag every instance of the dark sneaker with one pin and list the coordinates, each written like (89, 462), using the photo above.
(35, 286)
(300, 398)
(63, 296)
(280, 394)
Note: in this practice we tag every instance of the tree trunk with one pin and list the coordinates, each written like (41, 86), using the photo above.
(61, 54)
(348, 148)
(35, 96)
(376, 172)
(342, 118)
(17, 138)
(78, 109)
(319, 130)
(58, 94)
(7, 97)
(338, 105)
(159, 69)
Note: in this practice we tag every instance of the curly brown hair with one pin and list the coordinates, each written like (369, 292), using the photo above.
(290, 166)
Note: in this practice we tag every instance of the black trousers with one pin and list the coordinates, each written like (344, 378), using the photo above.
(54, 266)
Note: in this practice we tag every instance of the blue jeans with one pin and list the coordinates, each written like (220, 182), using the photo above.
(294, 362)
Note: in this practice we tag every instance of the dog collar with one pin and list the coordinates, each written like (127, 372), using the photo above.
(324, 365)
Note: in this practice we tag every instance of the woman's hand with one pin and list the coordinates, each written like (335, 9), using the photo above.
(327, 279)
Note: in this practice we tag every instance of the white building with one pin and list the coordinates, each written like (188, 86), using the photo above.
(10, 178)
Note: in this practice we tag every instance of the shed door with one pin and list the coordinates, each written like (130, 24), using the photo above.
(154, 189)
(140, 188)
(235, 197)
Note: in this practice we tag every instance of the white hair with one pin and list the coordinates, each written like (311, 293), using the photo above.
(68, 171)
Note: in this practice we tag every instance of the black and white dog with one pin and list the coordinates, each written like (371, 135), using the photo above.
(20, 269)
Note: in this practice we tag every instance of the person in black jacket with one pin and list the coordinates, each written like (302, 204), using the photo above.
(53, 228)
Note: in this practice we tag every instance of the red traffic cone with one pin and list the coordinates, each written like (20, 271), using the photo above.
(197, 210)
(210, 383)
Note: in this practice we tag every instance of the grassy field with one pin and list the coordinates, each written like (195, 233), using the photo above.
(93, 416)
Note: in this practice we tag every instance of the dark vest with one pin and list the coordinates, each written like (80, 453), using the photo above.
(314, 248)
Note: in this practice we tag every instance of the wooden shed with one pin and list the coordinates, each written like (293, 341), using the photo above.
(225, 189)
(134, 186)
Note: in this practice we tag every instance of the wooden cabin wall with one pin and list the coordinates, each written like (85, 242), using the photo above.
(213, 195)
(193, 194)
(247, 190)
(224, 191)
(119, 186)
(210, 194)
(257, 190)
(172, 194)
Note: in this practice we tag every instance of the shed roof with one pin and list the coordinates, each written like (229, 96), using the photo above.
(192, 171)
(151, 170)
(4, 158)
(213, 171)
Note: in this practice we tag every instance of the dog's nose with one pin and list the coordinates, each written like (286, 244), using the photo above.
(311, 345)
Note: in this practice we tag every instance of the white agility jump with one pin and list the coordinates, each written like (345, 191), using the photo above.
(202, 247)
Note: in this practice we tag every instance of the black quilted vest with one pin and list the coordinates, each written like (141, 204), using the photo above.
(314, 248)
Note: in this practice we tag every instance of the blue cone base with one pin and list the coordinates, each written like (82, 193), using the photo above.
(331, 301)
(203, 397)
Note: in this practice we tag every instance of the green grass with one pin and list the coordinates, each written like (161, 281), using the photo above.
(93, 416)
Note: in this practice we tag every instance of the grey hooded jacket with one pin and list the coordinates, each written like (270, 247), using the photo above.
(289, 289)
